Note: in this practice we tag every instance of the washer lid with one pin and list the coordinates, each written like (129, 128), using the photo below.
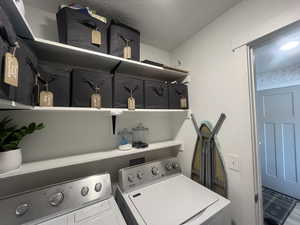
(172, 202)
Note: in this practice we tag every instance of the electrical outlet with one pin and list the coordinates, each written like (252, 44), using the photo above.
(233, 162)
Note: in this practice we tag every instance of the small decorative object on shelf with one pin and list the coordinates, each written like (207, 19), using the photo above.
(10, 138)
(125, 140)
(140, 136)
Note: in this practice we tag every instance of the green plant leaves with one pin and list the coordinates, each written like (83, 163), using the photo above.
(11, 136)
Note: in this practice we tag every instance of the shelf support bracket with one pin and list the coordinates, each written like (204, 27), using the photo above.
(114, 113)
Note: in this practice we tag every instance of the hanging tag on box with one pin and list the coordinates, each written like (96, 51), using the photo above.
(46, 98)
(11, 69)
(131, 102)
(183, 103)
(127, 52)
(96, 99)
(96, 37)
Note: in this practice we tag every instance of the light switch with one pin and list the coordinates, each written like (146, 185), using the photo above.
(233, 162)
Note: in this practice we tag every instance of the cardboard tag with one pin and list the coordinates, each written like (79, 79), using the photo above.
(96, 37)
(46, 99)
(96, 101)
(183, 103)
(127, 52)
(11, 70)
(131, 103)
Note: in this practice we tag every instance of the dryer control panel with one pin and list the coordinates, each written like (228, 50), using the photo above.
(147, 173)
(54, 200)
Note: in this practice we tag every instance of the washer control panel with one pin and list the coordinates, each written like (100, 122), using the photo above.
(132, 177)
(51, 200)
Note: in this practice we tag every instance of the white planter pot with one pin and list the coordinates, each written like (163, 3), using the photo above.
(10, 160)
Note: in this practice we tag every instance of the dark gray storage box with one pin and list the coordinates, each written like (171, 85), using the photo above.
(8, 38)
(6, 91)
(156, 94)
(75, 28)
(176, 92)
(58, 78)
(26, 57)
(117, 33)
(81, 90)
(123, 83)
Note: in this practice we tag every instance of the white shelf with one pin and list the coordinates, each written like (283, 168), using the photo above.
(73, 56)
(33, 167)
(109, 110)
(6, 104)
(78, 57)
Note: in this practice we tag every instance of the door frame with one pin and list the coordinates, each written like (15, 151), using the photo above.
(254, 137)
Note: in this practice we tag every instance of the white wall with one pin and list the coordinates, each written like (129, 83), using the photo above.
(220, 84)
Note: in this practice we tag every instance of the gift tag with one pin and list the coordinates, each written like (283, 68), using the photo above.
(11, 70)
(127, 52)
(183, 103)
(46, 99)
(96, 37)
(131, 103)
(96, 101)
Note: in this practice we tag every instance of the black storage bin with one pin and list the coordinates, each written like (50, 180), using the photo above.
(75, 28)
(83, 83)
(118, 34)
(6, 91)
(27, 64)
(156, 94)
(177, 94)
(123, 83)
(58, 78)
(7, 42)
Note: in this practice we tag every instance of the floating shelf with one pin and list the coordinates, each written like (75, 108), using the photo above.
(6, 104)
(78, 57)
(110, 110)
(38, 166)
(73, 56)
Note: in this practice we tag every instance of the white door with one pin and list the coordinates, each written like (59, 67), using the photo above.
(278, 118)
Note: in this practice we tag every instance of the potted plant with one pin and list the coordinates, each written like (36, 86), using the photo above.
(10, 138)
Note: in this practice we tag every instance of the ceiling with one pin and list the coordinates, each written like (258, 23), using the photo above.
(162, 23)
(269, 57)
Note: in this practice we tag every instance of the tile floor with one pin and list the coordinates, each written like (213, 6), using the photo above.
(294, 217)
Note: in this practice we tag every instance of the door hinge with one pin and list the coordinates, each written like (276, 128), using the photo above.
(256, 196)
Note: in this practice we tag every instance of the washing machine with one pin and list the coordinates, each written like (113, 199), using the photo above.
(86, 201)
(157, 193)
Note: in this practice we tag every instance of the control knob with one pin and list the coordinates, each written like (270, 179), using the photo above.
(130, 178)
(155, 171)
(84, 191)
(169, 167)
(175, 165)
(98, 187)
(56, 199)
(22, 209)
(140, 175)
